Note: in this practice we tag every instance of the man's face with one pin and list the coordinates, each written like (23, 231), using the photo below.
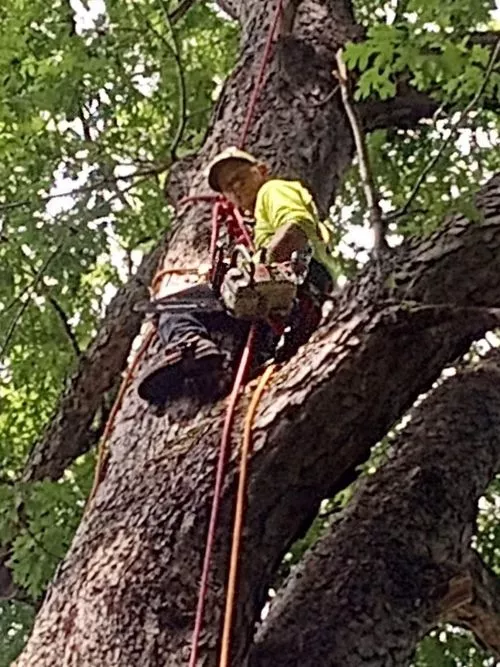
(240, 181)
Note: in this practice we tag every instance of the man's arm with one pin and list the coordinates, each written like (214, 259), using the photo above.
(284, 219)
(288, 239)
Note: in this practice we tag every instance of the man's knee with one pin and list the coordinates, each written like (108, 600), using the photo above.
(173, 327)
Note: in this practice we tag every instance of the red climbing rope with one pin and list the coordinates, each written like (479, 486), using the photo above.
(259, 84)
(224, 211)
(243, 367)
(239, 515)
(234, 221)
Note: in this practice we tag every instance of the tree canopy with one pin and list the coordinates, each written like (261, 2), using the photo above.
(100, 99)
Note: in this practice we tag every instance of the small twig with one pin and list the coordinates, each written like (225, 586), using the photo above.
(181, 80)
(66, 325)
(400, 10)
(331, 94)
(17, 298)
(153, 171)
(17, 317)
(365, 170)
(175, 53)
(87, 134)
(432, 162)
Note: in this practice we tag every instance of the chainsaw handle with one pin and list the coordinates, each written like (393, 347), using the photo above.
(240, 249)
(247, 257)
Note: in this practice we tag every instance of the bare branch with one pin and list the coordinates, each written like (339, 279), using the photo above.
(400, 10)
(486, 38)
(181, 10)
(365, 170)
(405, 110)
(181, 79)
(17, 317)
(65, 323)
(140, 174)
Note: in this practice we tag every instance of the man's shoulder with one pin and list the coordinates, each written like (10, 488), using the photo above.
(284, 186)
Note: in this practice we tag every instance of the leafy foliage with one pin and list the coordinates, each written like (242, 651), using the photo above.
(97, 101)
(426, 45)
(451, 647)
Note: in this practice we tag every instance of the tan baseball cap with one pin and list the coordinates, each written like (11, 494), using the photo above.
(231, 153)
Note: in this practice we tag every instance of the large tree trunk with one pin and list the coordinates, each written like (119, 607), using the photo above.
(127, 591)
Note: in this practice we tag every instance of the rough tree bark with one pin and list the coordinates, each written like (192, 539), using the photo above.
(387, 572)
(126, 593)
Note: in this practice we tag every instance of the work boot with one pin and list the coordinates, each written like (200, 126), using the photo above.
(187, 359)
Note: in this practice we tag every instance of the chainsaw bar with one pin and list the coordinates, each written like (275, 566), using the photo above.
(177, 306)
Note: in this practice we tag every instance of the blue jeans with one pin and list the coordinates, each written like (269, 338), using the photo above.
(175, 325)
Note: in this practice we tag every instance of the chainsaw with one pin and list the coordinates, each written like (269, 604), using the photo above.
(246, 289)
(258, 291)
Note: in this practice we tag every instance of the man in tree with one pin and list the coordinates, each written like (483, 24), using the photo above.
(398, 564)
(286, 222)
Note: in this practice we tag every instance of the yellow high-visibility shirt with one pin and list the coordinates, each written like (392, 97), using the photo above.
(280, 202)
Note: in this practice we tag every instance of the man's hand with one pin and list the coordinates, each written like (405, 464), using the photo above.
(287, 240)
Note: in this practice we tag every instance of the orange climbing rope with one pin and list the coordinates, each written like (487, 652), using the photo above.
(246, 450)
(243, 367)
(102, 454)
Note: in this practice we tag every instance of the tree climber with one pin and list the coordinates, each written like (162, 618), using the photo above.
(286, 222)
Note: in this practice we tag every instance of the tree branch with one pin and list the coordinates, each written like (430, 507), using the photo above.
(404, 111)
(400, 10)
(139, 174)
(181, 10)
(365, 170)
(384, 563)
(477, 606)
(18, 316)
(175, 53)
(69, 434)
(486, 38)
(181, 79)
